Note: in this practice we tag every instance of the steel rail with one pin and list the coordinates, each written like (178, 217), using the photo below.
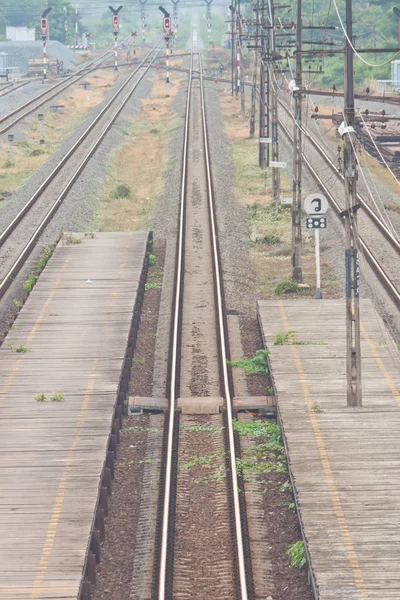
(48, 94)
(25, 209)
(374, 264)
(223, 338)
(173, 385)
(369, 211)
(174, 353)
(14, 87)
(9, 277)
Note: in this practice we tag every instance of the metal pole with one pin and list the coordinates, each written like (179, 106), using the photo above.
(297, 271)
(274, 112)
(115, 52)
(76, 25)
(143, 17)
(66, 25)
(318, 294)
(10, 139)
(167, 63)
(44, 60)
(353, 359)
(233, 46)
(255, 69)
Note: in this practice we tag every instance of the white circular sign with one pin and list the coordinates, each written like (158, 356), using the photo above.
(315, 204)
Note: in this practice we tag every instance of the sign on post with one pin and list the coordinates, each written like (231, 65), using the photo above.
(277, 164)
(316, 206)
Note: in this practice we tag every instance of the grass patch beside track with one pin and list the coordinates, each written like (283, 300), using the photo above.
(29, 155)
(139, 163)
(269, 230)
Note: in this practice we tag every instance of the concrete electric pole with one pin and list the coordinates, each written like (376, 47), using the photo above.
(295, 87)
(346, 130)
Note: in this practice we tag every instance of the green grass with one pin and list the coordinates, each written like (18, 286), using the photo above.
(297, 555)
(153, 286)
(286, 287)
(255, 364)
(37, 268)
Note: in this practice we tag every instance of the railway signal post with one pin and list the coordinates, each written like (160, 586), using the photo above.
(44, 34)
(115, 30)
(352, 264)
(167, 33)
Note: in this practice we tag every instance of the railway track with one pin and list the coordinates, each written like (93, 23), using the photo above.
(39, 210)
(378, 222)
(374, 263)
(18, 114)
(12, 87)
(201, 530)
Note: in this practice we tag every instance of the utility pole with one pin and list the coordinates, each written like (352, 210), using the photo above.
(297, 270)
(240, 83)
(255, 70)
(263, 149)
(66, 25)
(143, 18)
(175, 17)
(76, 26)
(233, 19)
(353, 360)
(274, 109)
(208, 16)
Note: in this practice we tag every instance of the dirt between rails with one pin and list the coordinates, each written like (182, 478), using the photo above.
(202, 545)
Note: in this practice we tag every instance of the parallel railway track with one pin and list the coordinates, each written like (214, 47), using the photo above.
(54, 189)
(377, 268)
(15, 116)
(198, 326)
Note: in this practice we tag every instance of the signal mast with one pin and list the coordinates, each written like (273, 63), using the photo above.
(115, 30)
(44, 34)
(167, 33)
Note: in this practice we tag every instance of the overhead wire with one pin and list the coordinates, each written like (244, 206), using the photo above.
(386, 62)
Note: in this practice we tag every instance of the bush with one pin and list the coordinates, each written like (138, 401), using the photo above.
(286, 287)
(122, 191)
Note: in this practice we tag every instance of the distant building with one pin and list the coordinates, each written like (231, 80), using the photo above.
(20, 34)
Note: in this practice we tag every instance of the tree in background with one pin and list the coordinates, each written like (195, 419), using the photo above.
(26, 13)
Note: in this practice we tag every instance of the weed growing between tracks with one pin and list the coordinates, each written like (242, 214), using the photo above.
(264, 473)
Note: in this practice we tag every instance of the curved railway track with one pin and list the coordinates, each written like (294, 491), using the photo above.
(379, 271)
(197, 325)
(54, 189)
(15, 116)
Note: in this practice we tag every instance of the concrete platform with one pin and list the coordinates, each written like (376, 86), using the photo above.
(60, 405)
(344, 462)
